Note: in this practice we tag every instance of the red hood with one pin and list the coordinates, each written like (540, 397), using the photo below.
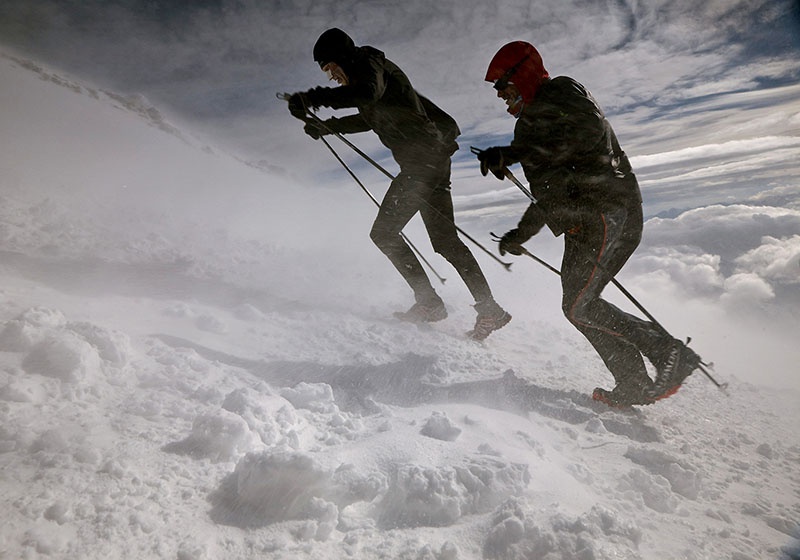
(529, 73)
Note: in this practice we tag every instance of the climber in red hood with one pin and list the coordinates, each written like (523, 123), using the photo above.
(585, 189)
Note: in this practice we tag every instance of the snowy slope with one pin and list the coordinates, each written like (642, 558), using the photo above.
(196, 363)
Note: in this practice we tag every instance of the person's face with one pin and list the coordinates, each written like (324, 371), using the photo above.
(510, 94)
(335, 72)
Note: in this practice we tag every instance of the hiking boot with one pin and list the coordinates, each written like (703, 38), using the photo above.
(672, 368)
(490, 318)
(625, 395)
(423, 313)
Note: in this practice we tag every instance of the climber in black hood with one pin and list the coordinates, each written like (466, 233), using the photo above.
(384, 97)
(334, 46)
(421, 137)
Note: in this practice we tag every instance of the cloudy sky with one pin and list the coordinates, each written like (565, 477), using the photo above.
(668, 72)
(703, 95)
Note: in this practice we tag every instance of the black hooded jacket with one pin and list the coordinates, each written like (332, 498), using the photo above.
(407, 123)
(571, 158)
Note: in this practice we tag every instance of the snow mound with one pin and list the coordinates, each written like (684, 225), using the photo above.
(682, 476)
(651, 491)
(439, 426)
(273, 486)
(516, 534)
(78, 355)
(113, 347)
(279, 485)
(440, 496)
(36, 325)
(317, 397)
(222, 436)
(66, 357)
(265, 415)
(30, 327)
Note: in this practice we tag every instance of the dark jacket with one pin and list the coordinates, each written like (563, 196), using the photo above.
(411, 126)
(571, 158)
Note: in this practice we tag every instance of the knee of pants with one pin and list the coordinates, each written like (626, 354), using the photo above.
(445, 246)
(574, 311)
(385, 239)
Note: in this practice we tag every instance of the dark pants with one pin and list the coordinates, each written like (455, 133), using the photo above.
(425, 188)
(593, 255)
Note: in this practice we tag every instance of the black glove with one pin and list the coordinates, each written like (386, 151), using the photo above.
(297, 105)
(512, 242)
(492, 160)
(315, 129)
(303, 101)
(315, 97)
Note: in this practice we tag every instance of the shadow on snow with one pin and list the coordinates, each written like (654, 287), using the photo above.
(411, 382)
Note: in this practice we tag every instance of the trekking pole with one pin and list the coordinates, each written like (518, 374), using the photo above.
(378, 204)
(508, 173)
(310, 114)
